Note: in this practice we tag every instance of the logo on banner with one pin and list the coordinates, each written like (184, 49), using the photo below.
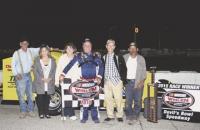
(84, 90)
(178, 99)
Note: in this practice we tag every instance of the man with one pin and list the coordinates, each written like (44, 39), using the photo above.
(91, 69)
(22, 62)
(136, 75)
(114, 76)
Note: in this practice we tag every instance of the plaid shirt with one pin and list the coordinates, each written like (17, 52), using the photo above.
(111, 72)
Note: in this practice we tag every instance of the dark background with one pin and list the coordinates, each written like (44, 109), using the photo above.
(54, 22)
(175, 25)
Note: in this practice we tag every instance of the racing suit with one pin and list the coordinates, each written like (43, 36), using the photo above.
(91, 67)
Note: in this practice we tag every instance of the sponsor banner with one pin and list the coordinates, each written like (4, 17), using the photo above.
(180, 115)
(180, 100)
(86, 91)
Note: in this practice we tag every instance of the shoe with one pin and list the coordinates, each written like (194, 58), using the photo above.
(22, 115)
(31, 114)
(73, 118)
(41, 116)
(109, 119)
(96, 121)
(83, 121)
(47, 116)
(120, 119)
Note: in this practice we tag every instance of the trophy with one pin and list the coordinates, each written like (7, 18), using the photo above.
(152, 101)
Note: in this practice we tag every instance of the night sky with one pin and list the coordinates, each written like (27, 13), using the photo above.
(174, 24)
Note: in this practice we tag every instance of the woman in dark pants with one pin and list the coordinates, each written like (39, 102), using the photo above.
(44, 80)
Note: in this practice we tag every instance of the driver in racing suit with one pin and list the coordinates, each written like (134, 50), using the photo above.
(91, 69)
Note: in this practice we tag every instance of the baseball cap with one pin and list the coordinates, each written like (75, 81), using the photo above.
(133, 44)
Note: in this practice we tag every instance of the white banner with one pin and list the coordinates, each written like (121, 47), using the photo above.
(180, 93)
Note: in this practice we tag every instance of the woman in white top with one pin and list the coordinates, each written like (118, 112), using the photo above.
(73, 74)
(44, 80)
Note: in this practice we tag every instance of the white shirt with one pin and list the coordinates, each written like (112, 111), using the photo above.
(131, 65)
(46, 70)
(74, 73)
(26, 59)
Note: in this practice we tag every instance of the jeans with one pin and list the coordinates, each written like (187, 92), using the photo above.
(133, 94)
(24, 86)
(94, 113)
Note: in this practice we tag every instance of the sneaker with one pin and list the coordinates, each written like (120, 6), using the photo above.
(47, 116)
(31, 114)
(96, 121)
(22, 115)
(109, 119)
(41, 116)
(73, 118)
(120, 119)
(83, 121)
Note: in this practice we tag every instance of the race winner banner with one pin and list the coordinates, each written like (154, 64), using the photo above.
(81, 93)
(180, 101)
(85, 91)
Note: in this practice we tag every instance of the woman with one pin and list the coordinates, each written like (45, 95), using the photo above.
(44, 80)
(73, 74)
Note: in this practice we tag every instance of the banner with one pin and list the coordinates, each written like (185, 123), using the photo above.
(180, 100)
(85, 91)
(81, 93)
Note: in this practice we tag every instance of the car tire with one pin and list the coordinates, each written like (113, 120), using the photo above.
(55, 102)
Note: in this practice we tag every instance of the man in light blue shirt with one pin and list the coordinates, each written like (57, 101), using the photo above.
(22, 62)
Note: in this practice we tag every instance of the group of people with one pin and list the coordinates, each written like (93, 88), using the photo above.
(111, 71)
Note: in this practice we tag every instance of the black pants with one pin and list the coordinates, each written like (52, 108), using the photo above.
(69, 111)
(43, 101)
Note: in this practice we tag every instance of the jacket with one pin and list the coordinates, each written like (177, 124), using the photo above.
(141, 68)
(120, 64)
(38, 83)
(90, 64)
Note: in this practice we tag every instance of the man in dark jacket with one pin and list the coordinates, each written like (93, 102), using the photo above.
(114, 76)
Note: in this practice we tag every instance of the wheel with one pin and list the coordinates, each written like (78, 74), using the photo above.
(55, 103)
